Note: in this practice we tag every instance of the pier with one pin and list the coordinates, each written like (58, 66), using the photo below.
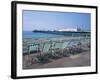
(65, 33)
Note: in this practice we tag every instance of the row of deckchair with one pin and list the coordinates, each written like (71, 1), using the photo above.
(49, 45)
(56, 49)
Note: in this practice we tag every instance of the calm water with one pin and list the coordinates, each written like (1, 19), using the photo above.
(30, 34)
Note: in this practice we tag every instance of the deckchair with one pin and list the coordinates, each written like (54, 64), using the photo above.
(46, 47)
(64, 48)
(71, 46)
(42, 57)
(33, 47)
(25, 47)
(55, 49)
(85, 42)
(76, 47)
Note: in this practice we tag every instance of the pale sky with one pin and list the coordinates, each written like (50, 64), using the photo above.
(43, 20)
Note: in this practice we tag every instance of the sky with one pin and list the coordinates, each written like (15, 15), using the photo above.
(47, 20)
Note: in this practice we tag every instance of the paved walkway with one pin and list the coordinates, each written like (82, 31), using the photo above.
(79, 60)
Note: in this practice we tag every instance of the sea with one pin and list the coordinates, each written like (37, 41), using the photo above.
(30, 34)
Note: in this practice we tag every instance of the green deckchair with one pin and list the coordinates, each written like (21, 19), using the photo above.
(33, 47)
(56, 46)
(42, 57)
(64, 48)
